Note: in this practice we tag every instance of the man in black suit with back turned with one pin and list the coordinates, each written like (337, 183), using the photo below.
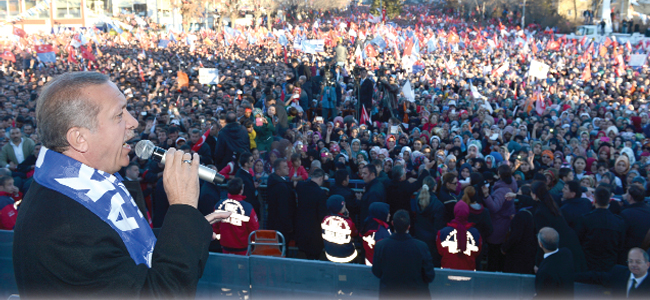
(554, 277)
(631, 282)
(402, 263)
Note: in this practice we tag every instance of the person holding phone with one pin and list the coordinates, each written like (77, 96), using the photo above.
(264, 128)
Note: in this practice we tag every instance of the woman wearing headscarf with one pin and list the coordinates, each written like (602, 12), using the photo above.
(548, 214)
(459, 243)
(429, 216)
(621, 168)
(478, 215)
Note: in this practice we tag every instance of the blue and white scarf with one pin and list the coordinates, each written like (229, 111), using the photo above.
(103, 194)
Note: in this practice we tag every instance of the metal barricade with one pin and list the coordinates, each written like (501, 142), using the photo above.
(228, 276)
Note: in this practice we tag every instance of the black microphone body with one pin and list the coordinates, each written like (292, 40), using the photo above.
(145, 149)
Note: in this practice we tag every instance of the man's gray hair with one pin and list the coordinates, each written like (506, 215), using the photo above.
(398, 172)
(62, 106)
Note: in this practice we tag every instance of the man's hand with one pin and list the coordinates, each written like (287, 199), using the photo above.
(181, 179)
(217, 216)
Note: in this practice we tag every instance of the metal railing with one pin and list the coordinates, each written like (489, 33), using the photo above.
(257, 277)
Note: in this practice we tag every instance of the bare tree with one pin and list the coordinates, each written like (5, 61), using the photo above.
(192, 11)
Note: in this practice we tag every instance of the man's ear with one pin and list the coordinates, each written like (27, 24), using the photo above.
(76, 137)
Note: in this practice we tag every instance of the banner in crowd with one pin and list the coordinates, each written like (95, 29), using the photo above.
(637, 60)
(538, 69)
(312, 46)
(208, 76)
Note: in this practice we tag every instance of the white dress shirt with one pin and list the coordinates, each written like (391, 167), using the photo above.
(638, 282)
(18, 150)
(550, 253)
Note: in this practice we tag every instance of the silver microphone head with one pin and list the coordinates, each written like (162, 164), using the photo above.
(144, 149)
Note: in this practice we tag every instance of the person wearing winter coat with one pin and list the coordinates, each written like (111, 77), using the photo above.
(339, 232)
(501, 208)
(459, 243)
(429, 217)
(521, 245)
(264, 128)
(548, 214)
(375, 228)
(281, 200)
(233, 232)
(478, 215)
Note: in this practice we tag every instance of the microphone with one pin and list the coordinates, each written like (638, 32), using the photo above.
(145, 149)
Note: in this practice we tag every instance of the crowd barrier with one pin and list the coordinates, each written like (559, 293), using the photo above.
(257, 277)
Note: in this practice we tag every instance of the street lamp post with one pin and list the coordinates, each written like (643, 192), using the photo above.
(523, 17)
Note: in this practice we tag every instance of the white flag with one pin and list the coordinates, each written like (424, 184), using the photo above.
(408, 92)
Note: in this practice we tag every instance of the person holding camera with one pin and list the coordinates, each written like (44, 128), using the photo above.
(328, 98)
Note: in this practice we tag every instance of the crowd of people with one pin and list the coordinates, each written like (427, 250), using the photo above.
(443, 120)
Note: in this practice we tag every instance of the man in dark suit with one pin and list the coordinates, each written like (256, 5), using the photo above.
(341, 187)
(366, 88)
(637, 217)
(375, 191)
(402, 263)
(554, 277)
(573, 205)
(281, 200)
(630, 282)
(250, 186)
(601, 233)
(400, 190)
(312, 208)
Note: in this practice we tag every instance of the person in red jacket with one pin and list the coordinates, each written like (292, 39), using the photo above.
(9, 193)
(339, 232)
(459, 243)
(375, 228)
(296, 171)
(233, 232)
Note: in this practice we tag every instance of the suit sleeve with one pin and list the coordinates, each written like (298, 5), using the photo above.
(439, 222)
(284, 208)
(428, 273)
(376, 260)
(415, 186)
(3, 156)
(516, 234)
(99, 260)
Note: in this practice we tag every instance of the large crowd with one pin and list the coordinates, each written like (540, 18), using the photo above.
(443, 119)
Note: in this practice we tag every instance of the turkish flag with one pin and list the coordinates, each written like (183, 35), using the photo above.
(241, 41)
(87, 53)
(553, 45)
(370, 51)
(586, 73)
(534, 47)
(8, 55)
(408, 46)
(71, 54)
(200, 142)
(19, 32)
